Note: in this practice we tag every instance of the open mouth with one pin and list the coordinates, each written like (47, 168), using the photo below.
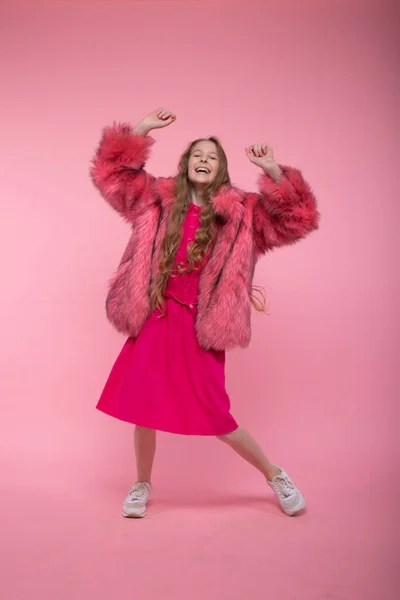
(203, 170)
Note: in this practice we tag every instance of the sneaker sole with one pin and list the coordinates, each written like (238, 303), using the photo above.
(301, 506)
(134, 515)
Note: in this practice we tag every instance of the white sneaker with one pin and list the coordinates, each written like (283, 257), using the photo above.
(135, 503)
(290, 498)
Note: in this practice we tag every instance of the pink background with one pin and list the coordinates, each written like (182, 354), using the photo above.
(318, 387)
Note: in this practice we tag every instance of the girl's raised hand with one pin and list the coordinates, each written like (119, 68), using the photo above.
(261, 155)
(155, 120)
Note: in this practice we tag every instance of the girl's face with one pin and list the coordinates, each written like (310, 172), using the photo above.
(203, 164)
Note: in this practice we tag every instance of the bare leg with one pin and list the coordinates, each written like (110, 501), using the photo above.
(145, 449)
(246, 446)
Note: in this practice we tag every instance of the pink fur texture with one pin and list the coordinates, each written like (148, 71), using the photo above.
(250, 224)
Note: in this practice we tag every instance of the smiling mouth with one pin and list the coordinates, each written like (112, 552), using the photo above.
(202, 170)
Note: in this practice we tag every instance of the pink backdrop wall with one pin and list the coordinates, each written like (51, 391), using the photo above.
(319, 385)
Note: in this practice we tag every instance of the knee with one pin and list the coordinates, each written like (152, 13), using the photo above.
(144, 432)
(228, 438)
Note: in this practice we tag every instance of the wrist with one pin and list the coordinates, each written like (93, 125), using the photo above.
(141, 129)
(273, 170)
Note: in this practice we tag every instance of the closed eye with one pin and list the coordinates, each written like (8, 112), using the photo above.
(199, 155)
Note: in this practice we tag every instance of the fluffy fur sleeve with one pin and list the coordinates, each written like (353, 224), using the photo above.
(285, 212)
(117, 170)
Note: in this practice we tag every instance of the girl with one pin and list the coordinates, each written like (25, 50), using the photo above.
(183, 290)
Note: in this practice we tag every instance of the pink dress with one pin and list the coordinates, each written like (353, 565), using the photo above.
(163, 379)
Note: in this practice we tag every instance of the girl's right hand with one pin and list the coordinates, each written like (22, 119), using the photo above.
(155, 120)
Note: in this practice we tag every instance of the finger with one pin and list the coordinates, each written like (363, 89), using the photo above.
(264, 148)
(165, 122)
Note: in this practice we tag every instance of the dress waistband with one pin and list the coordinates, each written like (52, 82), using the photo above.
(190, 305)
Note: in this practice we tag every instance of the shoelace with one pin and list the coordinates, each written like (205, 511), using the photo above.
(138, 491)
(282, 486)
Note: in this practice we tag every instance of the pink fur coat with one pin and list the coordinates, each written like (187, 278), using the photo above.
(251, 224)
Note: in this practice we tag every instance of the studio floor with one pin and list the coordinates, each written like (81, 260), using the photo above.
(69, 542)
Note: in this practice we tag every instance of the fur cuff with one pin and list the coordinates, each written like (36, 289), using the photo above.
(288, 192)
(121, 147)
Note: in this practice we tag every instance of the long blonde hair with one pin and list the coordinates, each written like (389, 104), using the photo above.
(205, 235)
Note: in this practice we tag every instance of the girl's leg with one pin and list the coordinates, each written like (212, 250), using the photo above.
(290, 498)
(145, 449)
(246, 446)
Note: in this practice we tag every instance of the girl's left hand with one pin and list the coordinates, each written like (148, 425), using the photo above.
(261, 155)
